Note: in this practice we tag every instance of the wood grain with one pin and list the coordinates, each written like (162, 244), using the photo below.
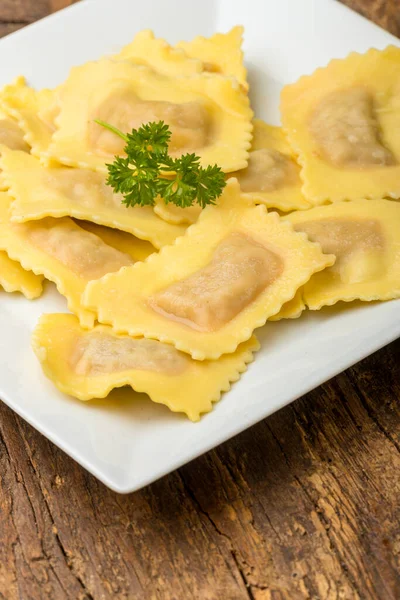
(302, 506)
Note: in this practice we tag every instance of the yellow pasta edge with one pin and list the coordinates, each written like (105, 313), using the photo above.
(128, 377)
(245, 333)
(157, 239)
(314, 200)
(233, 86)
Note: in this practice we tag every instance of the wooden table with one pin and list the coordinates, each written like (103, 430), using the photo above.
(305, 505)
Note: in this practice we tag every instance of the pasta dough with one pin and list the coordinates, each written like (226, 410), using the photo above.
(220, 53)
(343, 122)
(62, 252)
(14, 278)
(175, 214)
(157, 54)
(50, 191)
(120, 240)
(34, 111)
(364, 235)
(272, 176)
(89, 364)
(233, 269)
(207, 114)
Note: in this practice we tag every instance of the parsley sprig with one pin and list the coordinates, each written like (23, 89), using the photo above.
(149, 171)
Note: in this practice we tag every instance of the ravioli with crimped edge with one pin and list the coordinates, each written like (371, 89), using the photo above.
(208, 114)
(221, 53)
(89, 364)
(14, 278)
(364, 236)
(343, 122)
(34, 111)
(61, 251)
(206, 293)
(145, 49)
(41, 191)
(120, 240)
(272, 176)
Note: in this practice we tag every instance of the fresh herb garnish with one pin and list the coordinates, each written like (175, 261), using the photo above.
(142, 175)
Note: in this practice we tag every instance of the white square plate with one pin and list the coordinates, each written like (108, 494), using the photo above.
(128, 445)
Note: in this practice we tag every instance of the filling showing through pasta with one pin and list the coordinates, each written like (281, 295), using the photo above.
(239, 271)
(83, 253)
(268, 170)
(81, 185)
(357, 243)
(189, 122)
(12, 136)
(99, 354)
(345, 126)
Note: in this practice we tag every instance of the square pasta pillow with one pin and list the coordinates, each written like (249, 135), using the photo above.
(208, 114)
(343, 122)
(272, 176)
(89, 364)
(364, 236)
(231, 271)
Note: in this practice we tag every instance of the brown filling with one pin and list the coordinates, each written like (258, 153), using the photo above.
(346, 129)
(239, 271)
(356, 243)
(189, 122)
(98, 354)
(268, 170)
(82, 252)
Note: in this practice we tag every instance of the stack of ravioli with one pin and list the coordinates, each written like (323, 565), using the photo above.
(165, 300)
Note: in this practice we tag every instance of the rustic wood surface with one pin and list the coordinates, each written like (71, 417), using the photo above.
(304, 505)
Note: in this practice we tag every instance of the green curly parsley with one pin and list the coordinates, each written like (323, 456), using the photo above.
(143, 174)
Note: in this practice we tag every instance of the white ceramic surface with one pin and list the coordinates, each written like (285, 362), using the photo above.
(129, 444)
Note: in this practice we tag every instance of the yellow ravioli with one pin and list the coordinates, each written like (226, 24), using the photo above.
(221, 53)
(41, 191)
(174, 214)
(364, 235)
(208, 114)
(205, 294)
(156, 53)
(11, 135)
(62, 252)
(89, 364)
(14, 278)
(343, 123)
(34, 111)
(120, 240)
(292, 309)
(272, 176)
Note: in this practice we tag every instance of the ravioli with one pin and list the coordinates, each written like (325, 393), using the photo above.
(175, 214)
(14, 278)
(62, 252)
(41, 191)
(364, 236)
(272, 176)
(207, 114)
(120, 240)
(11, 135)
(156, 53)
(343, 122)
(34, 112)
(221, 53)
(89, 364)
(292, 309)
(235, 268)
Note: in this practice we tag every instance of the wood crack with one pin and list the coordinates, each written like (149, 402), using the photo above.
(319, 514)
(246, 584)
(370, 412)
(87, 594)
